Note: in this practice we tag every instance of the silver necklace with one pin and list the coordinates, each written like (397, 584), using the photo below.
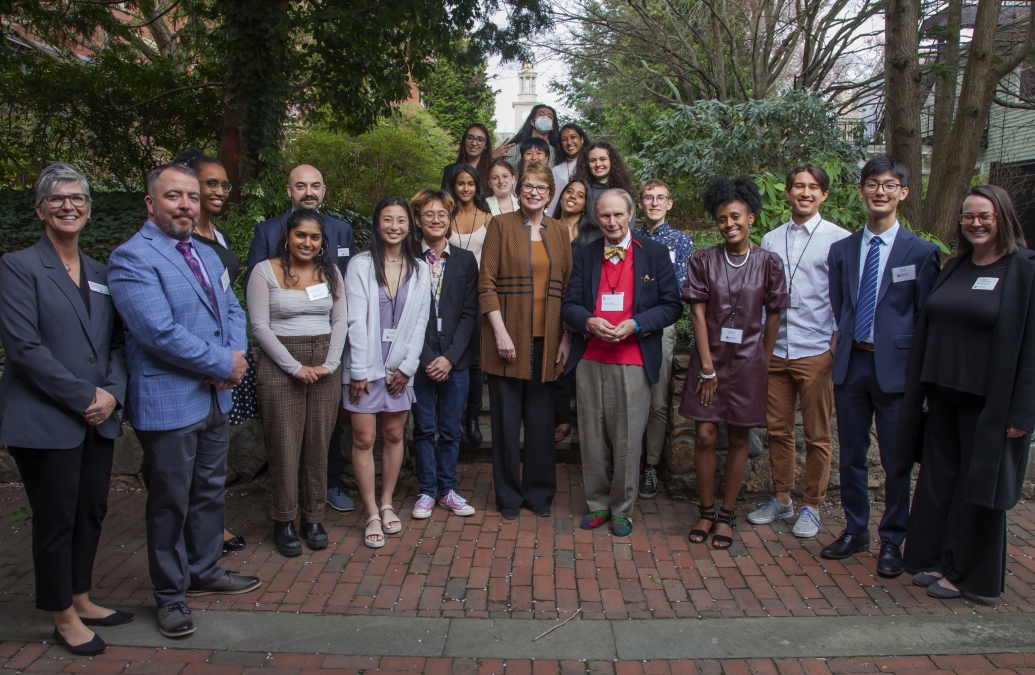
(728, 262)
(68, 265)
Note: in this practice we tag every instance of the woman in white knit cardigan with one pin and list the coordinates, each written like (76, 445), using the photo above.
(389, 298)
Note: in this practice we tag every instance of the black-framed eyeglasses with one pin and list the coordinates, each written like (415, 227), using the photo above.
(77, 199)
(871, 187)
(212, 184)
(476, 139)
(529, 188)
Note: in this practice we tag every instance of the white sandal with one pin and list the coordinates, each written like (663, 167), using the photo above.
(390, 530)
(366, 535)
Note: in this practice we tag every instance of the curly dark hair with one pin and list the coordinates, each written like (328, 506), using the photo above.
(195, 157)
(722, 191)
(619, 176)
(326, 270)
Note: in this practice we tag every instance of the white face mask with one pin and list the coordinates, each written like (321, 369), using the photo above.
(544, 125)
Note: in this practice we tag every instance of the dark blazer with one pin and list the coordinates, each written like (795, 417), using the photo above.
(898, 304)
(267, 234)
(458, 309)
(57, 353)
(997, 471)
(656, 301)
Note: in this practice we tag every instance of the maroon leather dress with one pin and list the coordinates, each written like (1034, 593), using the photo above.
(742, 369)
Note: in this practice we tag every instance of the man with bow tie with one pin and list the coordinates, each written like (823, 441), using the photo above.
(621, 295)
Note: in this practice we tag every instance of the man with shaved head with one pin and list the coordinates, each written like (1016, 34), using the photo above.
(306, 188)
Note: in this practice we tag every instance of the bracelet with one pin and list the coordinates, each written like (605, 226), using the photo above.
(702, 377)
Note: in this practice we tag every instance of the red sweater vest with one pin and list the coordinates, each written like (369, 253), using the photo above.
(627, 352)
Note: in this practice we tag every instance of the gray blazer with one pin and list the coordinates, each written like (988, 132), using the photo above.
(57, 353)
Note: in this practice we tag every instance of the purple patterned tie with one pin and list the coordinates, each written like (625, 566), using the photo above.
(184, 247)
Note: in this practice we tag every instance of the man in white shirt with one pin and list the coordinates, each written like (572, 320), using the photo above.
(803, 358)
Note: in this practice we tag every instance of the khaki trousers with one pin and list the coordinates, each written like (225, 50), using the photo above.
(809, 379)
(613, 402)
(297, 422)
(657, 420)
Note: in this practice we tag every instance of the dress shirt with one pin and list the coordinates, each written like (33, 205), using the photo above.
(189, 240)
(622, 244)
(805, 327)
(437, 265)
(680, 246)
(888, 239)
(562, 173)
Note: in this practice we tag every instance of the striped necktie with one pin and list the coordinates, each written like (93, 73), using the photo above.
(867, 306)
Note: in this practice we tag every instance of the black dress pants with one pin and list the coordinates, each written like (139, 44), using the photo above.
(512, 401)
(68, 494)
(562, 391)
(946, 533)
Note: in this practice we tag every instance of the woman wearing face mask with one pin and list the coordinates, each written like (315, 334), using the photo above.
(474, 151)
(573, 141)
(540, 123)
(604, 169)
(727, 287)
(389, 298)
(501, 182)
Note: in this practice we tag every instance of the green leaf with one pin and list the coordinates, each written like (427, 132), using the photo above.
(21, 514)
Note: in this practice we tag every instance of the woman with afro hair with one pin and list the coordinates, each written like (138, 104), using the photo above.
(727, 287)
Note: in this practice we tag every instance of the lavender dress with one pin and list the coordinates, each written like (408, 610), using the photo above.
(379, 400)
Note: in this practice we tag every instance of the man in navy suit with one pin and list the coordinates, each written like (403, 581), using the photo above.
(307, 189)
(880, 278)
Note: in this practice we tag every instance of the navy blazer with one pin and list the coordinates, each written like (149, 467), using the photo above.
(459, 339)
(656, 301)
(267, 235)
(898, 304)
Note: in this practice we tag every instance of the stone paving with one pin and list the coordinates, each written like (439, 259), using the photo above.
(486, 567)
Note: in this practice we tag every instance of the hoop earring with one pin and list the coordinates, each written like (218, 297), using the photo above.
(285, 246)
(320, 254)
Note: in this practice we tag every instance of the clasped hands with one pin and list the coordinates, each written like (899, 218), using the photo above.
(237, 372)
(603, 329)
(100, 409)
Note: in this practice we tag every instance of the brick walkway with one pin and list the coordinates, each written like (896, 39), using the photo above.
(21, 657)
(486, 567)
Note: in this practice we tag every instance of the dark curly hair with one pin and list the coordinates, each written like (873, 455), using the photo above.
(325, 267)
(619, 176)
(722, 191)
(194, 158)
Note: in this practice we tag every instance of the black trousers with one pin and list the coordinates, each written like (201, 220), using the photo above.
(563, 388)
(68, 494)
(946, 533)
(335, 462)
(512, 401)
(474, 389)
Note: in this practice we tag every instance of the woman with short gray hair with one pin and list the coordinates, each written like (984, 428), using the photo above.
(65, 377)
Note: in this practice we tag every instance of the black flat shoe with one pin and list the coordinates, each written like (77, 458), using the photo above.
(315, 535)
(846, 546)
(511, 514)
(889, 562)
(474, 433)
(286, 539)
(541, 511)
(116, 619)
(233, 545)
(91, 648)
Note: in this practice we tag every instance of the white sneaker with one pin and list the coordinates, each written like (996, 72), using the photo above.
(424, 506)
(770, 511)
(808, 523)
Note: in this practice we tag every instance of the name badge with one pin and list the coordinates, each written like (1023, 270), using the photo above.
(388, 334)
(795, 299)
(439, 324)
(733, 335)
(317, 292)
(672, 256)
(982, 284)
(343, 252)
(102, 289)
(907, 273)
(612, 302)
(225, 279)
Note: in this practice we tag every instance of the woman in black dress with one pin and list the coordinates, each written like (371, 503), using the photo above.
(973, 359)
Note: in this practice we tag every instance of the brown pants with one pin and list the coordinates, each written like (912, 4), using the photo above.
(808, 378)
(297, 422)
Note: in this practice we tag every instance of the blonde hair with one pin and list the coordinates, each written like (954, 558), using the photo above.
(540, 171)
(427, 195)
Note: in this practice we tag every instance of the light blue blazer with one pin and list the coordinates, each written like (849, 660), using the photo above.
(175, 339)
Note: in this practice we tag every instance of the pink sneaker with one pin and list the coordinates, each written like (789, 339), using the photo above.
(423, 508)
(455, 503)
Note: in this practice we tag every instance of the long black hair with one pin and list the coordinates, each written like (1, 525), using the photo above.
(525, 132)
(583, 151)
(485, 160)
(449, 185)
(410, 251)
(194, 158)
(326, 270)
(588, 229)
(618, 177)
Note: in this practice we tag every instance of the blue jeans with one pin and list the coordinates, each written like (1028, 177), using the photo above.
(438, 404)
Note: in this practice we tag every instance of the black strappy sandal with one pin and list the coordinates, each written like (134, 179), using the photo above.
(720, 541)
(703, 513)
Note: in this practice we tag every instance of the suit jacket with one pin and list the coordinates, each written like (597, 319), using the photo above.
(898, 304)
(267, 235)
(997, 471)
(656, 300)
(458, 309)
(57, 352)
(175, 338)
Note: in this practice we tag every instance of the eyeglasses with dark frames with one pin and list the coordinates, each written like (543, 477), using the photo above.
(212, 184)
(77, 199)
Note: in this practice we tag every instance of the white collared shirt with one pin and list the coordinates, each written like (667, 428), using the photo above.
(805, 327)
(562, 173)
(622, 244)
(888, 239)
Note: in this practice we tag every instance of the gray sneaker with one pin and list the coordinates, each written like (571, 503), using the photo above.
(770, 511)
(808, 523)
(175, 620)
(230, 583)
(338, 500)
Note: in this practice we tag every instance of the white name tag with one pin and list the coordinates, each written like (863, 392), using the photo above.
(388, 335)
(439, 324)
(317, 292)
(612, 302)
(985, 283)
(734, 335)
(907, 273)
(795, 299)
(343, 252)
(101, 288)
(672, 256)
(225, 279)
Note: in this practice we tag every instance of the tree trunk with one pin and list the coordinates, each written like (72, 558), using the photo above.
(231, 152)
(718, 57)
(901, 104)
(946, 83)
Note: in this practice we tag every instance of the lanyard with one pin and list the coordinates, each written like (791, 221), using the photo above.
(787, 250)
(439, 263)
(729, 290)
(607, 271)
(393, 298)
